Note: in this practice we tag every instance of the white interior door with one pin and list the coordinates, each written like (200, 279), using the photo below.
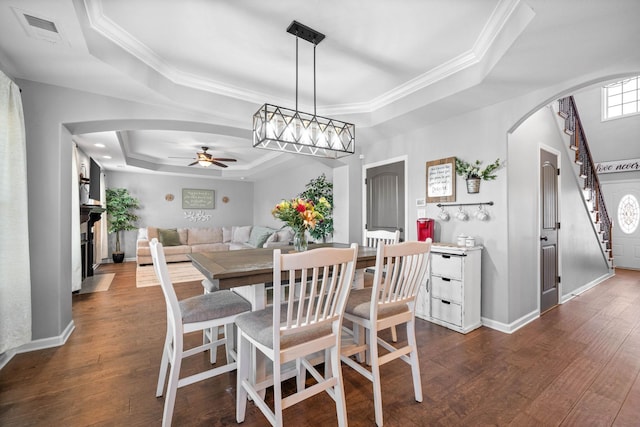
(385, 197)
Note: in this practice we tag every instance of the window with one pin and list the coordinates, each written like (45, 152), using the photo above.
(621, 98)
(628, 214)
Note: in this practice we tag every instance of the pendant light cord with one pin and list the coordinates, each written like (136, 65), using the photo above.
(314, 77)
(296, 71)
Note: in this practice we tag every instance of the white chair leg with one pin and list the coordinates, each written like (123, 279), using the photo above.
(375, 372)
(244, 360)
(164, 365)
(334, 369)
(277, 395)
(229, 341)
(415, 364)
(301, 376)
(394, 334)
(172, 389)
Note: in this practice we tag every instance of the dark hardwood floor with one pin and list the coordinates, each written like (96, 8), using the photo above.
(577, 365)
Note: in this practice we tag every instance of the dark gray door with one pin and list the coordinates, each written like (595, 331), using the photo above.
(548, 231)
(385, 198)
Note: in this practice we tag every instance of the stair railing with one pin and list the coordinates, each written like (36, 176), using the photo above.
(592, 190)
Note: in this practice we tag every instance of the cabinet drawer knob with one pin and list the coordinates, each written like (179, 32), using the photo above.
(446, 256)
(445, 279)
(445, 302)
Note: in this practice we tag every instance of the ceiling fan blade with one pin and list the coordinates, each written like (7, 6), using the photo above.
(194, 163)
(224, 160)
(176, 157)
(222, 165)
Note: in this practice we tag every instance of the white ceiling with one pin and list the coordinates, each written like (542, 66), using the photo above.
(220, 60)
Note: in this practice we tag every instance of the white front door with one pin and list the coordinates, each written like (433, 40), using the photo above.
(626, 240)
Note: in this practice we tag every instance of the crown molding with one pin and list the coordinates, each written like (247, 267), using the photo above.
(99, 22)
(498, 20)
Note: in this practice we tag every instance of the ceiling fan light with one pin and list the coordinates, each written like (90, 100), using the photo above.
(204, 163)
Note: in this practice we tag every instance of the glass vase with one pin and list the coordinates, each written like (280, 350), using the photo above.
(300, 240)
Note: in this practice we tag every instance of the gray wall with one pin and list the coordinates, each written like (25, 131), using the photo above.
(616, 139)
(286, 184)
(49, 146)
(155, 210)
(580, 258)
(472, 136)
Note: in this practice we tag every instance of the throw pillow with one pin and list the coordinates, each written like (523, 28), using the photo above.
(168, 236)
(272, 238)
(241, 234)
(259, 235)
(285, 235)
(227, 234)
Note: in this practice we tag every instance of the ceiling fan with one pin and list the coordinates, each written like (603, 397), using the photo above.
(205, 159)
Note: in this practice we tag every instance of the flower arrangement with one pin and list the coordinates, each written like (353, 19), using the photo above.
(301, 214)
(472, 170)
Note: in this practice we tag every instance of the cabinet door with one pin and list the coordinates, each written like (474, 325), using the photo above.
(446, 265)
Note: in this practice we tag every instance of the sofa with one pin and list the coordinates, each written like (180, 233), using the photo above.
(180, 242)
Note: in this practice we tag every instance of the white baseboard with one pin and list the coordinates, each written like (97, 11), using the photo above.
(586, 287)
(530, 317)
(6, 357)
(509, 328)
(48, 342)
(38, 345)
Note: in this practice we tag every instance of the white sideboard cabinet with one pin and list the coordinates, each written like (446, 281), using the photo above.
(452, 296)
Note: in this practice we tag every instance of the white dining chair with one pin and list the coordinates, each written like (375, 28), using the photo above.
(199, 313)
(295, 329)
(390, 302)
(373, 238)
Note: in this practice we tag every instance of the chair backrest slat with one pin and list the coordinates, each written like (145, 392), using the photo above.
(325, 277)
(372, 238)
(400, 270)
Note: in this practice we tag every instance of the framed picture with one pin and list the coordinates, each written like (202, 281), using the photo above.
(441, 180)
(193, 198)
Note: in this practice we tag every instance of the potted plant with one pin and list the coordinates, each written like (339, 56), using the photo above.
(120, 215)
(316, 189)
(473, 174)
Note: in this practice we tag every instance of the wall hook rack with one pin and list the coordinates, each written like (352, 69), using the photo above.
(441, 205)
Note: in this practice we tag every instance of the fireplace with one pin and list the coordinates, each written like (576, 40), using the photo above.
(89, 214)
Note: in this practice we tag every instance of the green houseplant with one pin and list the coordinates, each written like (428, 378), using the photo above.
(316, 189)
(474, 174)
(120, 215)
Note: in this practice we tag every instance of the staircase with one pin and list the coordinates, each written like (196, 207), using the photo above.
(594, 200)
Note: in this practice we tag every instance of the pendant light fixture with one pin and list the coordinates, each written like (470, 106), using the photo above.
(293, 131)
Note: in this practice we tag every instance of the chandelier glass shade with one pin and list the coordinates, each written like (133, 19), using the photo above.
(283, 129)
(293, 131)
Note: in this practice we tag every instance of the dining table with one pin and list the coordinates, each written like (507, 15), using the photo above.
(247, 271)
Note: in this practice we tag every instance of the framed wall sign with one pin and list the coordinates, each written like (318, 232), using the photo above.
(193, 198)
(441, 180)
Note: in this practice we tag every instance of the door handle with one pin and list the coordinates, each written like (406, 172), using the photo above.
(544, 238)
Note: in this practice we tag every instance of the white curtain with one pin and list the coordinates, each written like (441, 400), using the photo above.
(104, 237)
(76, 255)
(15, 275)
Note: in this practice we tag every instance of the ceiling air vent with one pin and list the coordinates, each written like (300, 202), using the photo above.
(41, 23)
(39, 27)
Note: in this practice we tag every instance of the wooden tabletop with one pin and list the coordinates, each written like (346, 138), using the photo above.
(250, 266)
